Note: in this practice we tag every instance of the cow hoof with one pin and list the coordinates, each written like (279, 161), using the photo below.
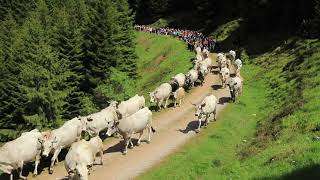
(138, 144)
(197, 130)
(148, 142)
(131, 147)
(124, 153)
(50, 171)
(34, 175)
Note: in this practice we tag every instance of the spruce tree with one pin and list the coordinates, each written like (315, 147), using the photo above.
(11, 99)
(43, 74)
(126, 39)
(100, 50)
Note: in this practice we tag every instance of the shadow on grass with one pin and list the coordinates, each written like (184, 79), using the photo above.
(224, 100)
(310, 173)
(192, 126)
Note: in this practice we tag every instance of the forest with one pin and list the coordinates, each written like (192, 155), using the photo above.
(56, 58)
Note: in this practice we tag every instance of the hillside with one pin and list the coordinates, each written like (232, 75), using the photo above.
(273, 131)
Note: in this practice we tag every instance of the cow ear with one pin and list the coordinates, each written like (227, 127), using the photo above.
(40, 140)
(89, 119)
(203, 105)
(235, 83)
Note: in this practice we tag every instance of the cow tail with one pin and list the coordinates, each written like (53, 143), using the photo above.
(153, 130)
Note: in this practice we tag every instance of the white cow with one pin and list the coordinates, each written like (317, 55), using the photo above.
(199, 57)
(81, 157)
(232, 54)
(161, 93)
(198, 50)
(222, 60)
(235, 87)
(220, 56)
(133, 124)
(224, 75)
(56, 140)
(191, 78)
(99, 122)
(24, 149)
(206, 53)
(180, 78)
(209, 63)
(132, 105)
(179, 96)
(238, 64)
(207, 107)
(204, 68)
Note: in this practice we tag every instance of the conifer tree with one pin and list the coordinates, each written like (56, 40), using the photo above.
(43, 75)
(100, 50)
(126, 39)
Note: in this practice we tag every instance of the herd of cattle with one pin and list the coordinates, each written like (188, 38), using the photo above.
(126, 118)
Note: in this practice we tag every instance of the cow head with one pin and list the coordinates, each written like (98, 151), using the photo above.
(82, 171)
(112, 127)
(49, 143)
(114, 104)
(84, 122)
(232, 89)
(152, 96)
(199, 110)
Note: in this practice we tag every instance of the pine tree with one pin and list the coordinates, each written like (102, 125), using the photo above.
(100, 51)
(11, 98)
(68, 42)
(42, 75)
(126, 39)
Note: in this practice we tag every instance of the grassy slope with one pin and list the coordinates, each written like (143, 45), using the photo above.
(282, 88)
(160, 58)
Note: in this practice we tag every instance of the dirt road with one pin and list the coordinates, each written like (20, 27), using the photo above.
(174, 127)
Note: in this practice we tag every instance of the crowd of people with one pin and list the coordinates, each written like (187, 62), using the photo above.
(192, 38)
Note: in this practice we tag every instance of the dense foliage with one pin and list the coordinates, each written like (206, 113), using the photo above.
(54, 56)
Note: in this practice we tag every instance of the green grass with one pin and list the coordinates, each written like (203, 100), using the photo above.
(160, 58)
(272, 133)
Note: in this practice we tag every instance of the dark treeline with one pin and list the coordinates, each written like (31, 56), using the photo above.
(302, 15)
(57, 55)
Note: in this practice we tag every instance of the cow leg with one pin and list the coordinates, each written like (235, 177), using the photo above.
(38, 157)
(199, 125)
(165, 105)
(54, 159)
(139, 140)
(21, 169)
(160, 104)
(175, 103)
(214, 114)
(149, 134)
(131, 144)
(11, 176)
(101, 156)
(127, 141)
